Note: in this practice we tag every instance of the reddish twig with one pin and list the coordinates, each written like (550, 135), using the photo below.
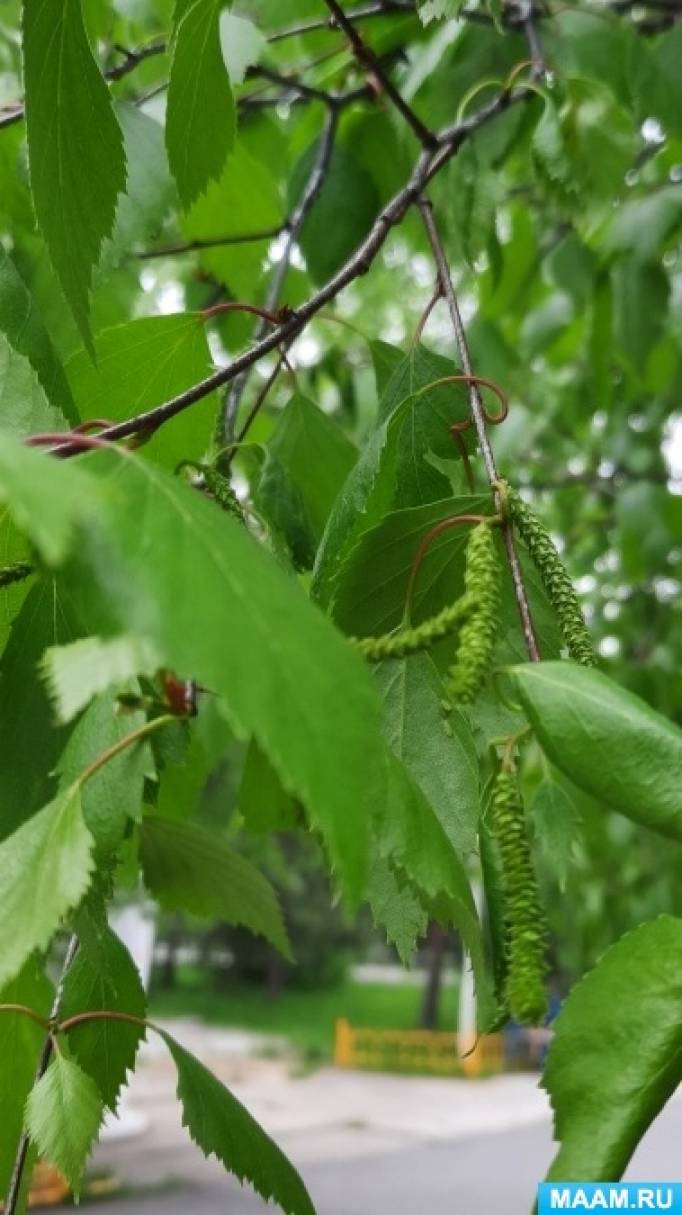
(91, 424)
(100, 1014)
(273, 318)
(26, 1012)
(427, 540)
(68, 439)
(423, 320)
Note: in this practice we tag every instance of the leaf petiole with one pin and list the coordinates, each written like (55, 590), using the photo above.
(128, 740)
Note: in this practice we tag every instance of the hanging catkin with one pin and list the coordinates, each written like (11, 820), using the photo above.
(525, 994)
(220, 488)
(555, 579)
(477, 636)
(421, 637)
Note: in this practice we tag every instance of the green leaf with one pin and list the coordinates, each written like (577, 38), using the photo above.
(241, 43)
(142, 364)
(150, 190)
(434, 10)
(186, 769)
(25, 331)
(188, 868)
(643, 226)
(63, 1113)
(46, 498)
(606, 740)
(410, 836)
(103, 977)
(472, 195)
(45, 868)
(29, 741)
(640, 302)
(263, 802)
(396, 908)
(200, 116)
(112, 798)
(279, 500)
(657, 82)
(315, 455)
(595, 47)
(276, 665)
(396, 467)
(13, 548)
(21, 1041)
(371, 583)
(75, 146)
(342, 214)
(556, 824)
(24, 408)
(439, 753)
(221, 1126)
(386, 359)
(616, 1054)
(245, 199)
(75, 673)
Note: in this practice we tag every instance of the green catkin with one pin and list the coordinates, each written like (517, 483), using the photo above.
(555, 579)
(220, 488)
(525, 994)
(477, 636)
(421, 637)
(15, 573)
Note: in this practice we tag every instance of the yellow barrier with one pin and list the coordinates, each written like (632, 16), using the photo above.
(422, 1051)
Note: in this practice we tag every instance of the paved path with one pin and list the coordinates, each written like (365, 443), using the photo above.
(366, 1144)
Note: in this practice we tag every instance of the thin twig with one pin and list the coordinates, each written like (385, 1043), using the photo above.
(423, 320)
(382, 8)
(213, 242)
(100, 1014)
(14, 1190)
(293, 229)
(479, 417)
(365, 56)
(262, 395)
(133, 59)
(288, 83)
(527, 22)
(25, 1011)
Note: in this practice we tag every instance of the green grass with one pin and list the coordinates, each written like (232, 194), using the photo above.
(306, 1018)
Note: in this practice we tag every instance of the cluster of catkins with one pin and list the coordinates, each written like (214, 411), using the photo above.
(474, 617)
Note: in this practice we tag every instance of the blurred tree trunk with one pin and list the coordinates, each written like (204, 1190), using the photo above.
(274, 977)
(437, 941)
